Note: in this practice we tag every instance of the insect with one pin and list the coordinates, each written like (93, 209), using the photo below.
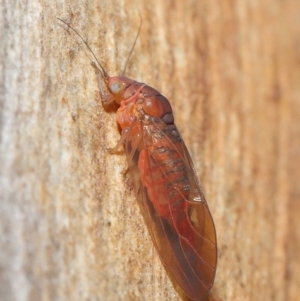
(166, 186)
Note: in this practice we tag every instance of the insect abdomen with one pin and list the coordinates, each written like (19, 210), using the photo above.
(171, 175)
(164, 174)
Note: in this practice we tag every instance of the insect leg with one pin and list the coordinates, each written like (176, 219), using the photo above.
(124, 136)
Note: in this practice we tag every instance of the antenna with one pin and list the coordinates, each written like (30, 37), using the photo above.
(131, 50)
(104, 73)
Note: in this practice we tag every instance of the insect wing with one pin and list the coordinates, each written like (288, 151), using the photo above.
(173, 205)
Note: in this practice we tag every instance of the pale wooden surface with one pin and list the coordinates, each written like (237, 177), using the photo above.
(70, 228)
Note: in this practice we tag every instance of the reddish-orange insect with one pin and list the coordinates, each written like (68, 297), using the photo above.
(167, 189)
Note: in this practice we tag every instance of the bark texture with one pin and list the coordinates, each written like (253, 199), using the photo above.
(70, 228)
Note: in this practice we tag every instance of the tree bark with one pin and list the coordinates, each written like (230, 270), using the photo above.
(70, 225)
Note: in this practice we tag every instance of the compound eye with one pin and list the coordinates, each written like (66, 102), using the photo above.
(116, 87)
